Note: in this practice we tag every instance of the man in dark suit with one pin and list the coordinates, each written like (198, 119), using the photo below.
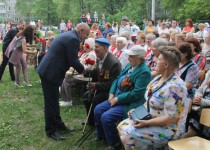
(107, 69)
(62, 54)
(7, 40)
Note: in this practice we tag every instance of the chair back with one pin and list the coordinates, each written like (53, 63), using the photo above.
(205, 117)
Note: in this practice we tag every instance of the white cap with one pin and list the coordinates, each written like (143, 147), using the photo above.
(136, 50)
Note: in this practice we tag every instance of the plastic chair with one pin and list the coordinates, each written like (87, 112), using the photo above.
(194, 143)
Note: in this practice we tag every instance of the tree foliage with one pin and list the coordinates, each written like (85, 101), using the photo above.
(52, 11)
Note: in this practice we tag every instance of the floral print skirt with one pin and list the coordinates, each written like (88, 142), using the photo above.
(140, 138)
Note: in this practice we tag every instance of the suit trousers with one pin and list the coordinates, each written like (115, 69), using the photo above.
(97, 99)
(106, 118)
(5, 60)
(53, 119)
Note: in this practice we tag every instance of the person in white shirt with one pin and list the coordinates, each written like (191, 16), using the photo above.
(163, 29)
(134, 31)
(201, 34)
(124, 25)
(121, 43)
(175, 28)
(69, 81)
(62, 26)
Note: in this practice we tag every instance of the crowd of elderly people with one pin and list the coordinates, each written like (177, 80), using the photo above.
(163, 70)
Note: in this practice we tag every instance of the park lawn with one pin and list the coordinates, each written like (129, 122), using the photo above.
(22, 118)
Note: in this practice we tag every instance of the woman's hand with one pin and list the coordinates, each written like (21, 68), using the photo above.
(113, 101)
(130, 112)
(141, 123)
(197, 100)
(111, 96)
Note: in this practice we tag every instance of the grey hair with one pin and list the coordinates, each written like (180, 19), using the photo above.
(114, 37)
(91, 42)
(122, 39)
(150, 36)
(126, 34)
(159, 42)
(190, 34)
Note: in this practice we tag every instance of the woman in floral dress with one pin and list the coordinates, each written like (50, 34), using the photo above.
(168, 105)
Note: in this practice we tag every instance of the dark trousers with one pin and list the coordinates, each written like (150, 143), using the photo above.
(106, 118)
(97, 99)
(5, 60)
(53, 119)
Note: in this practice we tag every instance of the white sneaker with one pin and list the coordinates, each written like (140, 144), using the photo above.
(64, 104)
(27, 84)
(18, 85)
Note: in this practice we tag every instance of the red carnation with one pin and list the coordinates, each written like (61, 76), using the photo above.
(87, 45)
(89, 61)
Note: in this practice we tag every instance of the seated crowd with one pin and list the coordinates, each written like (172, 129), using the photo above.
(161, 69)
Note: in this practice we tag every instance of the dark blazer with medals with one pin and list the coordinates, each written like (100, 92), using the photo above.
(110, 70)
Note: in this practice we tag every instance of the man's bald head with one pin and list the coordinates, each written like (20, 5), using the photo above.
(83, 30)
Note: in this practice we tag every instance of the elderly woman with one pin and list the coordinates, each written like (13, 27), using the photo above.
(151, 59)
(188, 69)
(201, 100)
(188, 27)
(113, 46)
(119, 52)
(141, 39)
(163, 29)
(179, 38)
(201, 34)
(127, 92)
(148, 40)
(206, 50)
(167, 104)
(151, 28)
(165, 36)
(68, 82)
(127, 35)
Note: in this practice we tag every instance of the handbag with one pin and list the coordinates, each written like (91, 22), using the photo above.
(140, 113)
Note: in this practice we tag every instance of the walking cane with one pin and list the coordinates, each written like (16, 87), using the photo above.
(88, 114)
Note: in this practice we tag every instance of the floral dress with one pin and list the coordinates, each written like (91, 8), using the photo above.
(168, 100)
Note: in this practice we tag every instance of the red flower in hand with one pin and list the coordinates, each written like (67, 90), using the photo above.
(87, 45)
(89, 61)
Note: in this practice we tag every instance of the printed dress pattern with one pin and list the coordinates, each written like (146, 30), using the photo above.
(170, 100)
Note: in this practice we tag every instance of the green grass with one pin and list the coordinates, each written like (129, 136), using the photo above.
(22, 119)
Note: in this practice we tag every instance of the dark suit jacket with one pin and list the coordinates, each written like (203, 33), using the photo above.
(62, 54)
(110, 70)
(9, 37)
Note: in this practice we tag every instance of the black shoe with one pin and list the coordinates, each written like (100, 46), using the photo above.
(117, 146)
(65, 129)
(56, 136)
